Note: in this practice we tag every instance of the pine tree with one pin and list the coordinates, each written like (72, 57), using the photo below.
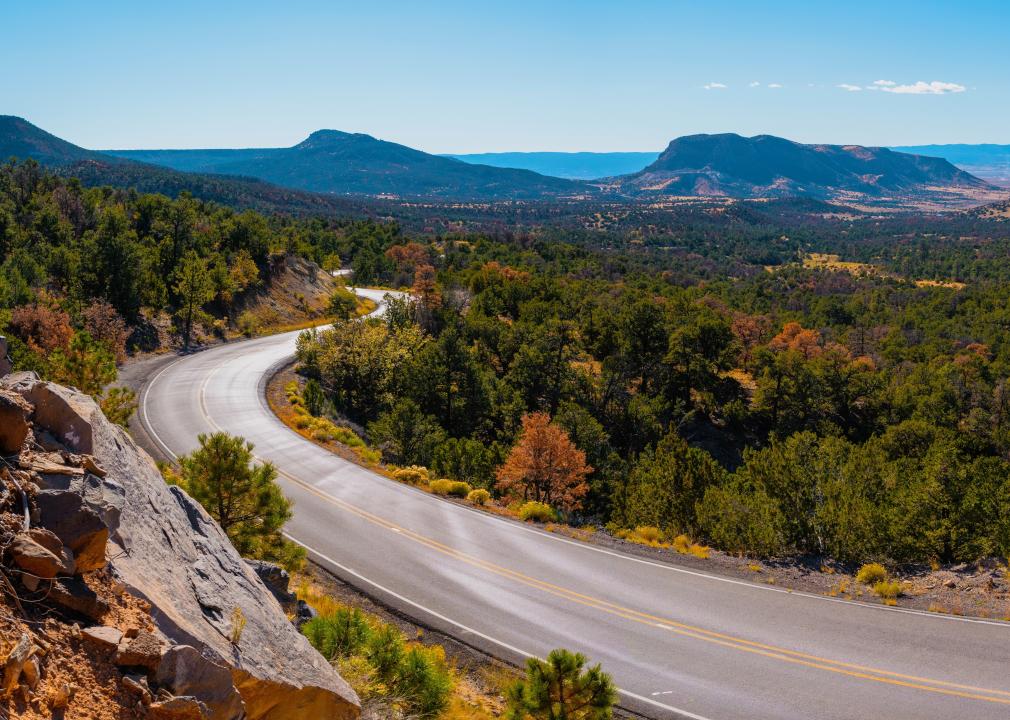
(561, 688)
(244, 498)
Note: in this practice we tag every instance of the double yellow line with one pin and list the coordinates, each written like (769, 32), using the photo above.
(672, 626)
(794, 657)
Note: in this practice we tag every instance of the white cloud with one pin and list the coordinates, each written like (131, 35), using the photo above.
(715, 86)
(850, 88)
(924, 88)
(884, 83)
(754, 84)
(774, 85)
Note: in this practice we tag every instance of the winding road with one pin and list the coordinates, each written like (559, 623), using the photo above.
(679, 643)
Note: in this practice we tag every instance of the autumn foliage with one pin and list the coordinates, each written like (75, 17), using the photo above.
(41, 328)
(545, 466)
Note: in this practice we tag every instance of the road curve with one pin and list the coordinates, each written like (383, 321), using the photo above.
(679, 643)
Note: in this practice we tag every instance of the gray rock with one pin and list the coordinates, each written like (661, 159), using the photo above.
(65, 413)
(80, 528)
(170, 552)
(277, 581)
(20, 382)
(303, 613)
(5, 361)
(185, 671)
(14, 427)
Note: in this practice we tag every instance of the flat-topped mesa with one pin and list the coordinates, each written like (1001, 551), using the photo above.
(97, 504)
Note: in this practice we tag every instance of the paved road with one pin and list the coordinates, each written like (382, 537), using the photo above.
(679, 643)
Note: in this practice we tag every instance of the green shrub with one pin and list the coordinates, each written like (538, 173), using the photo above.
(425, 680)
(343, 633)
(537, 511)
(376, 658)
(459, 489)
(871, 574)
(385, 651)
(480, 496)
(738, 519)
(368, 455)
(313, 397)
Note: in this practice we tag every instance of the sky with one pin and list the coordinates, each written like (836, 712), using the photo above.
(456, 77)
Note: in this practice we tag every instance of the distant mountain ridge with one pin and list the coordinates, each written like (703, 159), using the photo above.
(22, 140)
(331, 171)
(768, 166)
(331, 161)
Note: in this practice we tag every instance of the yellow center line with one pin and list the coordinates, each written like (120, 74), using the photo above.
(678, 628)
(672, 626)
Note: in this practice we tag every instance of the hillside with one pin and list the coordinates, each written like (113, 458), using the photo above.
(20, 139)
(571, 165)
(767, 166)
(330, 161)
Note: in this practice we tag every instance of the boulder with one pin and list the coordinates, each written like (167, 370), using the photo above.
(143, 650)
(50, 542)
(34, 558)
(277, 581)
(80, 528)
(185, 671)
(14, 427)
(67, 414)
(170, 552)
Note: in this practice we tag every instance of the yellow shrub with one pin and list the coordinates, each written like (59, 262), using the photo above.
(699, 551)
(480, 496)
(459, 489)
(441, 487)
(538, 511)
(301, 422)
(888, 590)
(649, 534)
(682, 544)
(368, 455)
(413, 475)
(871, 574)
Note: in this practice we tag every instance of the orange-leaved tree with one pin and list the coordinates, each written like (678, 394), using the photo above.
(545, 466)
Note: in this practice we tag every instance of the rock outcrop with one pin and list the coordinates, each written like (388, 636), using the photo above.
(5, 362)
(92, 488)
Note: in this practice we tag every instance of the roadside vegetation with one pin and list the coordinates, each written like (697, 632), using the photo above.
(678, 384)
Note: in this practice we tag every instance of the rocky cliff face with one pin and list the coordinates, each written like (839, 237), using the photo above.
(97, 504)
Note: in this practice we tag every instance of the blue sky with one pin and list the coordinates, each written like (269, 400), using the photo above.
(480, 76)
